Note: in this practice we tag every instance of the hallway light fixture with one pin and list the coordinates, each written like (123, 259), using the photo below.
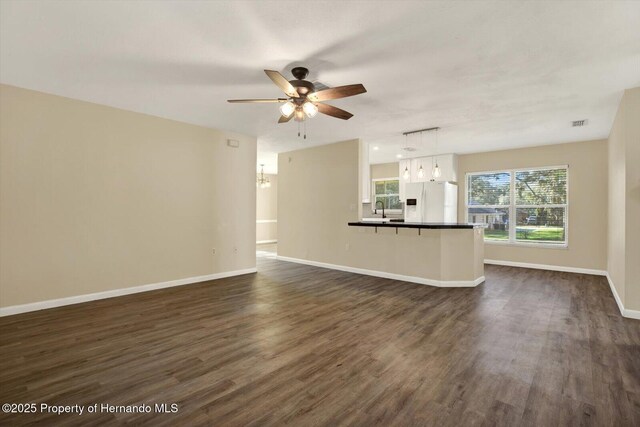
(261, 180)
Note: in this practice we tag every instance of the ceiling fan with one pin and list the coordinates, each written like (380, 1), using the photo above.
(302, 98)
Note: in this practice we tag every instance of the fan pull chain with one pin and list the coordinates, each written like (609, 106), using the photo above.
(298, 129)
(305, 129)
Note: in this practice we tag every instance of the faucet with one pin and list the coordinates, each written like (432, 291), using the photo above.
(375, 209)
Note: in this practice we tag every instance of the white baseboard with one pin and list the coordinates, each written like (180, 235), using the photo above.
(41, 305)
(632, 314)
(546, 267)
(384, 274)
(261, 242)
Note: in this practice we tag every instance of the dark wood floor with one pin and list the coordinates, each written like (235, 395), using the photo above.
(298, 345)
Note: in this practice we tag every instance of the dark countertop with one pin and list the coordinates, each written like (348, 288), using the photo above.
(393, 224)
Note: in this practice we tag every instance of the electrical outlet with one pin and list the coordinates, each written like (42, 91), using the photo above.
(347, 246)
(214, 251)
(235, 250)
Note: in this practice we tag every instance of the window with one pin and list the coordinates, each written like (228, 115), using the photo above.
(387, 191)
(526, 206)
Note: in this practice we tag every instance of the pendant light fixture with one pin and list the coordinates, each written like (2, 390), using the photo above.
(261, 180)
(420, 169)
(406, 174)
(436, 172)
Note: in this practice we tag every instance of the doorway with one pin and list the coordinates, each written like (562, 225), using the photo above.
(266, 214)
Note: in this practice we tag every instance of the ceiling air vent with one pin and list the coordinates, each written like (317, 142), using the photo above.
(578, 123)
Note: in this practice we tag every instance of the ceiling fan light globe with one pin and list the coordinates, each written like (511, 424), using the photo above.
(310, 109)
(287, 108)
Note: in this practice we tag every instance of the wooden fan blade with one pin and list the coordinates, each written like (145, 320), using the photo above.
(284, 119)
(336, 92)
(332, 111)
(257, 101)
(282, 83)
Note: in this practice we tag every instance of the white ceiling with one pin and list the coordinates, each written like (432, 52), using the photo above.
(493, 75)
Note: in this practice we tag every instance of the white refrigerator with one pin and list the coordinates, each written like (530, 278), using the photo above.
(431, 202)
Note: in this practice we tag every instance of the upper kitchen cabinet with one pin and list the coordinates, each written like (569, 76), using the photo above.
(425, 164)
(448, 164)
(403, 166)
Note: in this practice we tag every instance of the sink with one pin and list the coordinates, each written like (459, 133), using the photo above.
(382, 220)
(375, 219)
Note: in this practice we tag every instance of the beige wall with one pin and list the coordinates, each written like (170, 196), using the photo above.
(267, 210)
(93, 199)
(587, 195)
(632, 205)
(384, 170)
(617, 202)
(624, 201)
(318, 196)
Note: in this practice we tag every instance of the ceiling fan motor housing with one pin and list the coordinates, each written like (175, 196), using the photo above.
(300, 73)
(303, 87)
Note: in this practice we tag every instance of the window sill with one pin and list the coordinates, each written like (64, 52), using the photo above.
(528, 245)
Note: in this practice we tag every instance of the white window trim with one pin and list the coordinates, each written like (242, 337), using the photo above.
(512, 208)
(373, 194)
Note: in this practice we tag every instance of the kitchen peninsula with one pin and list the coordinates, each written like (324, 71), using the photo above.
(437, 254)
(336, 234)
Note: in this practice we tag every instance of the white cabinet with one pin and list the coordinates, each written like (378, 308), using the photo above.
(425, 163)
(365, 172)
(448, 164)
(403, 165)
